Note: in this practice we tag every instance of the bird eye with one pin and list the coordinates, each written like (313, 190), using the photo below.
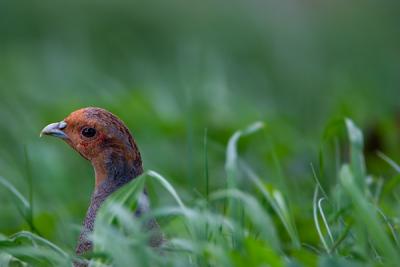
(89, 132)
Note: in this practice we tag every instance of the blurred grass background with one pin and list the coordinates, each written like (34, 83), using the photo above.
(170, 70)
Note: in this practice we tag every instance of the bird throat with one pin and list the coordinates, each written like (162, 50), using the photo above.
(112, 171)
(114, 166)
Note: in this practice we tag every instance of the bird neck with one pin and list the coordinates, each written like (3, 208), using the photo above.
(113, 170)
(114, 167)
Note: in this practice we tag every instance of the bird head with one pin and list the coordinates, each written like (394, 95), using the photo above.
(101, 137)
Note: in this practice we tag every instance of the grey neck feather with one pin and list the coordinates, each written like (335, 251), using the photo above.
(119, 173)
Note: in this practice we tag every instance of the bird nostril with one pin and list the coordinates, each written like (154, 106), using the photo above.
(62, 125)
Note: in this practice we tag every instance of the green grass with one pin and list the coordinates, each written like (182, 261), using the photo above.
(302, 188)
(250, 222)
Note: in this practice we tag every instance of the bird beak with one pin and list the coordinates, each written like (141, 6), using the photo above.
(55, 129)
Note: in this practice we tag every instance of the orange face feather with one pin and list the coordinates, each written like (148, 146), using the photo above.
(102, 138)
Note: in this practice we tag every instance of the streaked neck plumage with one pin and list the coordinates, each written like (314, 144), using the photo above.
(112, 170)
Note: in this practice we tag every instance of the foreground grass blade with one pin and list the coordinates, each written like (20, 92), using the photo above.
(389, 161)
(22, 204)
(366, 215)
(277, 202)
(15, 193)
(316, 221)
(255, 212)
(170, 189)
(33, 249)
(232, 171)
(37, 239)
(8, 260)
(357, 162)
(29, 180)
(231, 164)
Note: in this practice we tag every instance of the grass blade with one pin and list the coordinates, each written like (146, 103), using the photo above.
(15, 193)
(389, 161)
(316, 221)
(367, 217)
(277, 202)
(357, 162)
(170, 189)
(231, 164)
(259, 217)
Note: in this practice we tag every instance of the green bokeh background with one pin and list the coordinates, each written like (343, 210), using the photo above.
(170, 70)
